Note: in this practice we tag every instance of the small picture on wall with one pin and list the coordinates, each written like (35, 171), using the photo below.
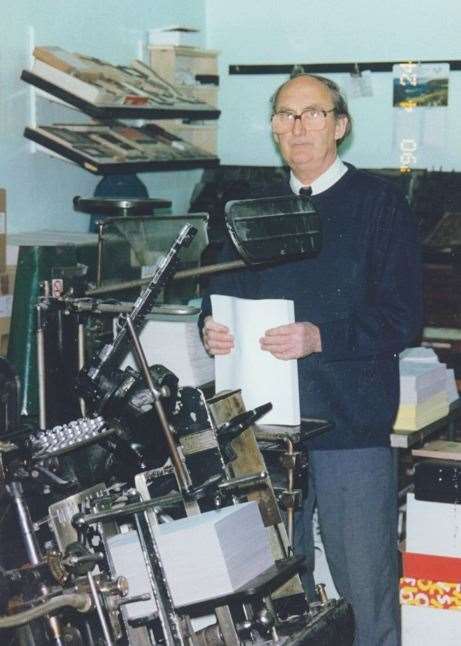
(421, 86)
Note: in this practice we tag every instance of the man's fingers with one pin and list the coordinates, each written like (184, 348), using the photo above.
(284, 356)
(281, 330)
(216, 337)
(275, 344)
(212, 325)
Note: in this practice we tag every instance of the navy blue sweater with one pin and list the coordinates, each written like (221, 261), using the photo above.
(363, 291)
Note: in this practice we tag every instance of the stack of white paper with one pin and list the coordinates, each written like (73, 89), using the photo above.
(214, 553)
(426, 389)
(176, 344)
(128, 561)
(261, 377)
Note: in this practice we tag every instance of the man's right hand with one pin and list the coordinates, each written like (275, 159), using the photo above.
(216, 337)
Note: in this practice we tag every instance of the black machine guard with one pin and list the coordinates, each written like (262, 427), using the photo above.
(271, 228)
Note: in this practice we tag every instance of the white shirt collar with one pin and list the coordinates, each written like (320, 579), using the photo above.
(326, 179)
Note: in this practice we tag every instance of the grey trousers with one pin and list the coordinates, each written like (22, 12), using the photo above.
(356, 496)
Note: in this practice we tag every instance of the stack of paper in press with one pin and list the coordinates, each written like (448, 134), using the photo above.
(175, 344)
(214, 553)
(426, 389)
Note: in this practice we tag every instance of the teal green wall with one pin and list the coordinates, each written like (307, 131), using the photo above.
(39, 188)
(303, 31)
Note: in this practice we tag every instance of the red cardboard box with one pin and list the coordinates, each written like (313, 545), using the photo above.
(429, 566)
(442, 595)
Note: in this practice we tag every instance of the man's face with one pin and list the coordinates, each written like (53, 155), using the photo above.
(309, 152)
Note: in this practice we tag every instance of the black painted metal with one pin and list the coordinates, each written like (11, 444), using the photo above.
(330, 68)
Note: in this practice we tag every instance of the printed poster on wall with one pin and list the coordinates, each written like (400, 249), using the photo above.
(420, 101)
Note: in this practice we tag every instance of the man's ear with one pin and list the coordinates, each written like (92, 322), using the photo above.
(340, 128)
(276, 138)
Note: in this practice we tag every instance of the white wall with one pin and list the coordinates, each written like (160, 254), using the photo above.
(40, 189)
(319, 31)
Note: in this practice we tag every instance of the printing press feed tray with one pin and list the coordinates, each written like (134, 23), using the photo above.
(262, 585)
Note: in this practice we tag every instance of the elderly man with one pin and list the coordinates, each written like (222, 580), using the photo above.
(357, 305)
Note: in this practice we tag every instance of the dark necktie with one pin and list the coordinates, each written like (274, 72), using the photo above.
(305, 191)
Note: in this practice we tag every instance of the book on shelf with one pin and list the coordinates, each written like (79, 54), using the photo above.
(103, 85)
(103, 147)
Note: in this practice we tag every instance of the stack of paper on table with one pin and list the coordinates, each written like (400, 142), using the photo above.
(214, 553)
(426, 389)
(261, 377)
(175, 344)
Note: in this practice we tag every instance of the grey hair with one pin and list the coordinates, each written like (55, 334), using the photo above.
(338, 99)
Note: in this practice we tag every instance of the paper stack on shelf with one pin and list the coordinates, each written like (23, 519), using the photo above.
(232, 543)
(426, 389)
(177, 346)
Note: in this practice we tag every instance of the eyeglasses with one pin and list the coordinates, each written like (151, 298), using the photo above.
(312, 118)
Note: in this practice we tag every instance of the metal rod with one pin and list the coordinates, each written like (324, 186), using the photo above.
(15, 490)
(180, 275)
(244, 482)
(97, 603)
(330, 68)
(29, 537)
(134, 508)
(290, 510)
(182, 474)
(95, 306)
(81, 361)
(99, 258)
(41, 370)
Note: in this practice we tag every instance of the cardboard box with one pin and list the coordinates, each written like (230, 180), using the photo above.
(430, 627)
(7, 279)
(433, 527)
(203, 135)
(431, 567)
(183, 64)
(441, 595)
(2, 229)
(206, 93)
(175, 35)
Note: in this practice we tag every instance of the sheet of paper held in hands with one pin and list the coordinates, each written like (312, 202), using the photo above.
(259, 374)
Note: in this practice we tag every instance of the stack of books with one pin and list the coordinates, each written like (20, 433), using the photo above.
(427, 388)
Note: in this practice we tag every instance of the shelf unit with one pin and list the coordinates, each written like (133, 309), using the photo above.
(195, 71)
(108, 93)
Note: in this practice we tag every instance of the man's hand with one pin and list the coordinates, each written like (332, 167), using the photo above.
(292, 341)
(216, 337)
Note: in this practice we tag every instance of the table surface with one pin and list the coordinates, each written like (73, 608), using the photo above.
(307, 428)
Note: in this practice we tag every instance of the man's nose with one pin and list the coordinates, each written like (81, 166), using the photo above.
(298, 126)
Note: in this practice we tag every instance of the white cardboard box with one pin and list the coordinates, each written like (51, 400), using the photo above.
(433, 527)
(430, 627)
(175, 35)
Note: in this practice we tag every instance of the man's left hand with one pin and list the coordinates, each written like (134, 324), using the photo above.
(292, 341)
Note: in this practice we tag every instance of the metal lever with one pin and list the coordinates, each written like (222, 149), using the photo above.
(138, 597)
